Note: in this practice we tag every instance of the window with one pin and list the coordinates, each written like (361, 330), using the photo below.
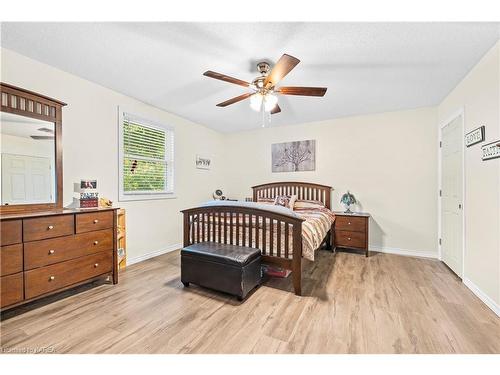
(146, 159)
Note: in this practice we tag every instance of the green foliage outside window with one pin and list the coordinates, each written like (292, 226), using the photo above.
(144, 164)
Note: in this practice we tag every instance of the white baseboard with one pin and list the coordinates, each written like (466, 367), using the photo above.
(153, 254)
(482, 296)
(406, 252)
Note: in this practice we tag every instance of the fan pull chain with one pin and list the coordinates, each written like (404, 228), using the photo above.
(262, 110)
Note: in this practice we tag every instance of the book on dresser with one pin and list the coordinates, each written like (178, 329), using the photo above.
(89, 196)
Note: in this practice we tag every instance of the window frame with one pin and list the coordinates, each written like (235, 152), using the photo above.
(170, 157)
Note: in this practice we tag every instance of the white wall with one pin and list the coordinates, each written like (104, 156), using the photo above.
(388, 161)
(90, 144)
(479, 95)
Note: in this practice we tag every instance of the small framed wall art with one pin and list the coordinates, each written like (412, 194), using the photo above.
(475, 136)
(491, 150)
(203, 162)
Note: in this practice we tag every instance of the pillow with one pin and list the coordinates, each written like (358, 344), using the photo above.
(308, 204)
(287, 201)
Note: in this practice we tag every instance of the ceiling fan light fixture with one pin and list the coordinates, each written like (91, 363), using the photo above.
(256, 101)
(270, 101)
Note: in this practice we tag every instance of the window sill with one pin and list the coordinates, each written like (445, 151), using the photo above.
(145, 197)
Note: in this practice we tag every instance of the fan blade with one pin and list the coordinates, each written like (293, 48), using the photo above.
(305, 91)
(276, 109)
(234, 100)
(226, 78)
(284, 65)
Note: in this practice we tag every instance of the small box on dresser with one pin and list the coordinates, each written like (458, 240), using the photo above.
(351, 231)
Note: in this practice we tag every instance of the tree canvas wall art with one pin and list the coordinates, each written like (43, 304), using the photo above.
(294, 156)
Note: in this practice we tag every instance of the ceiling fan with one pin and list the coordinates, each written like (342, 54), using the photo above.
(263, 96)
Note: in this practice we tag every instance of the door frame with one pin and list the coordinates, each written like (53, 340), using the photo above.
(448, 120)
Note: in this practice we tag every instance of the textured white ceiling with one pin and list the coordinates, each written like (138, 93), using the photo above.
(367, 67)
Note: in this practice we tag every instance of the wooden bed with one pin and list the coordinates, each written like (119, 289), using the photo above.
(236, 225)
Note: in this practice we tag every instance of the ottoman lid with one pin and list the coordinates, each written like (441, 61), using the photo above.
(222, 253)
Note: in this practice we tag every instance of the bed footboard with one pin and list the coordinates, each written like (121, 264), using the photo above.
(279, 237)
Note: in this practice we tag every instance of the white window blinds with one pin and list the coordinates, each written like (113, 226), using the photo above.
(147, 158)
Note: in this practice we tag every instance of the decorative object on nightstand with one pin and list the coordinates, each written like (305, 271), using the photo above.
(351, 231)
(218, 195)
(121, 238)
(347, 200)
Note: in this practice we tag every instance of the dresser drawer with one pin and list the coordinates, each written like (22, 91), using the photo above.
(45, 252)
(350, 239)
(11, 259)
(350, 223)
(48, 227)
(11, 289)
(47, 279)
(11, 232)
(94, 221)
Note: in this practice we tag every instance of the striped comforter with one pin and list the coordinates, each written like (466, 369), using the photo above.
(318, 222)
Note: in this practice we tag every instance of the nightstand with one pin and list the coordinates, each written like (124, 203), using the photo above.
(351, 231)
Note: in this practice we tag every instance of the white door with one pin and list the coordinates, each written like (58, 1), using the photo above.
(26, 179)
(452, 195)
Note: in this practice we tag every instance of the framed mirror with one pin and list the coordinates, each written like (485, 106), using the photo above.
(31, 151)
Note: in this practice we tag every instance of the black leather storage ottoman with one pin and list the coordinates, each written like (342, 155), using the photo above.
(226, 268)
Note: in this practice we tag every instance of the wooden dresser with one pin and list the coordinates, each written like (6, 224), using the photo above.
(351, 231)
(43, 253)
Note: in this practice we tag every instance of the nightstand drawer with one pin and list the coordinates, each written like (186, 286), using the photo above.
(350, 223)
(350, 239)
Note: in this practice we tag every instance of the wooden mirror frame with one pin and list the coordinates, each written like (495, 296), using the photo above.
(30, 104)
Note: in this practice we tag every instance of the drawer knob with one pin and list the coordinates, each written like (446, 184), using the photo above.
(348, 223)
(50, 227)
(96, 242)
(348, 238)
(96, 265)
(96, 221)
(52, 278)
(51, 252)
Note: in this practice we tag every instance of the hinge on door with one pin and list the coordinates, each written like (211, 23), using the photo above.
(440, 241)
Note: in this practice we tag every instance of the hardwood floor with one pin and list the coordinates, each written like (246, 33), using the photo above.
(351, 304)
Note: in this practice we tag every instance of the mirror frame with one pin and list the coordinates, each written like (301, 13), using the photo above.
(31, 104)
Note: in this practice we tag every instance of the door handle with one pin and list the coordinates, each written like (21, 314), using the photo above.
(460, 206)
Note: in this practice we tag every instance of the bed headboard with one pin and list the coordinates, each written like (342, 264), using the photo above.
(304, 190)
